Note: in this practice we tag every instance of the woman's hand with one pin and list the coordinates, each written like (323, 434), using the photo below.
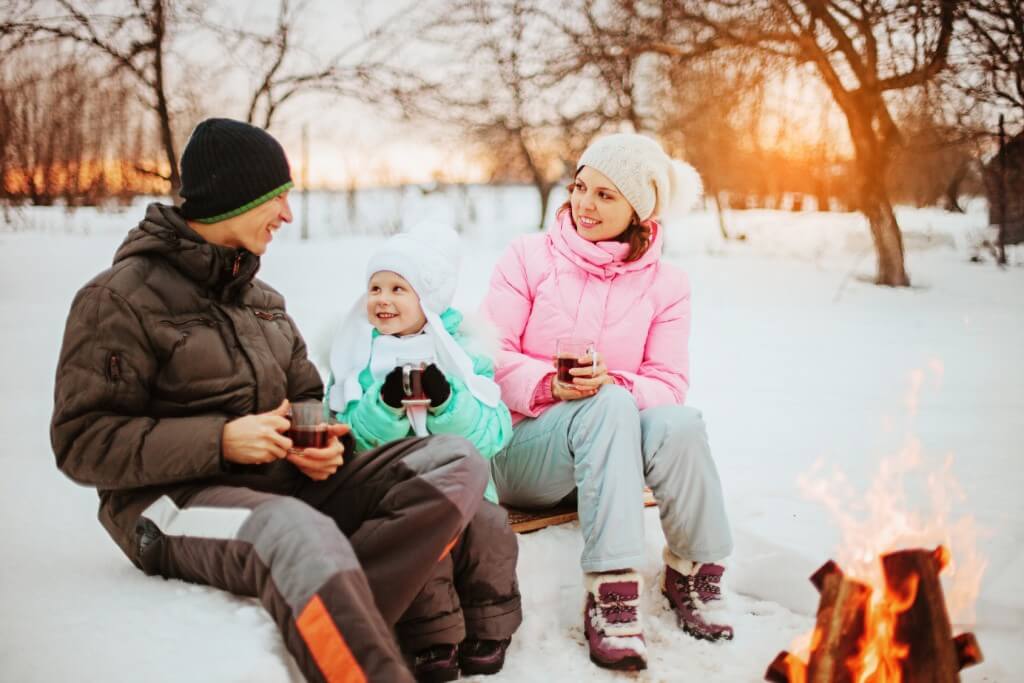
(585, 380)
(593, 375)
(320, 463)
(257, 439)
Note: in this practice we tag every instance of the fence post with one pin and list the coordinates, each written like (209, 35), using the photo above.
(304, 230)
(1001, 193)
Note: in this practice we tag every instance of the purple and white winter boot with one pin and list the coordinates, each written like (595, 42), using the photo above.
(689, 587)
(611, 621)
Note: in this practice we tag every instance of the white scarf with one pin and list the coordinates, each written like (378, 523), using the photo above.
(354, 348)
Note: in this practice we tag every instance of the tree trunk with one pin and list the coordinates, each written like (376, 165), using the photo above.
(885, 232)
(545, 196)
(953, 189)
(872, 161)
(162, 109)
(721, 215)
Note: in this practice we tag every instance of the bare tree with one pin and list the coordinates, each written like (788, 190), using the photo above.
(68, 128)
(134, 41)
(992, 55)
(863, 50)
(506, 89)
(285, 66)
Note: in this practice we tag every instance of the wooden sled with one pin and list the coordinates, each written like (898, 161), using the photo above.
(525, 521)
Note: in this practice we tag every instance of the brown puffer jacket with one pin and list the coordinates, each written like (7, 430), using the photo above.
(160, 351)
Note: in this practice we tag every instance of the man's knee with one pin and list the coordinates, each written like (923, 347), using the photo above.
(289, 532)
(464, 458)
(453, 467)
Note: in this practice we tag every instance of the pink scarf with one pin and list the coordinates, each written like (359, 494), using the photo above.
(602, 259)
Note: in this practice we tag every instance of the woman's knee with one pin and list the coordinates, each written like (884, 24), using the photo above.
(611, 407)
(677, 424)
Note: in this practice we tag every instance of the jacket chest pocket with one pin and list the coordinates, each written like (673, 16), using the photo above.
(197, 360)
(277, 332)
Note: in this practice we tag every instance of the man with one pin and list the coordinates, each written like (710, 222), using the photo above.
(172, 395)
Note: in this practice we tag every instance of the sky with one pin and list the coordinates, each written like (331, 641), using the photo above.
(349, 140)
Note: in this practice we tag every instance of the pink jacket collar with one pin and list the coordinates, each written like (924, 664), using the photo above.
(603, 259)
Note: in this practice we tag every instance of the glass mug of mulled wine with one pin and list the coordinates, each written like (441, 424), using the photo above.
(568, 352)
(412, 381)
(308, 427)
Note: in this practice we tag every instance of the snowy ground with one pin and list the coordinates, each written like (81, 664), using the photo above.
(795, 359)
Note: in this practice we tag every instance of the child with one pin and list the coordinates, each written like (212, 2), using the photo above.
(406, 313)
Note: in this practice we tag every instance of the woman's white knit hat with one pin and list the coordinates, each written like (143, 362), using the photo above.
(654, 184)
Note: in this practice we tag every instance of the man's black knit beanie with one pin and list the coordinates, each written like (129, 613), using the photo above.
(229, 167)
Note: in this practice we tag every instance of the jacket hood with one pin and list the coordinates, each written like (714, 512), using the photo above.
(164, 234)
(603, 259)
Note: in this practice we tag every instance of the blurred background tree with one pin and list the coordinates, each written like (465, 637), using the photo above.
(785, 104)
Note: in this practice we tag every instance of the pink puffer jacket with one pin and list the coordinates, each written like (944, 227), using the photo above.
(557, 284)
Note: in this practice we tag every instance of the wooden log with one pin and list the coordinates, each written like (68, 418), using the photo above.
(786, 668)
(839, 627)
(968, 653)
(912, 577)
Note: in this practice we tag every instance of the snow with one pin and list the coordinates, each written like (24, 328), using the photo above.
(796, 359)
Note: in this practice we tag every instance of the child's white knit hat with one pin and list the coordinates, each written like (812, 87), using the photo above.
(427, 256)
(653, 184)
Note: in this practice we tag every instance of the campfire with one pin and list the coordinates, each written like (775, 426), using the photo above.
(883, 615)
(899, 633)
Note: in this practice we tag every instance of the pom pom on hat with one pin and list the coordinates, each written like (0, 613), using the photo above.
(652, 182)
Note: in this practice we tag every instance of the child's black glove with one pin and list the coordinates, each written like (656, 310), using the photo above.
(435, 386)
(392, 393)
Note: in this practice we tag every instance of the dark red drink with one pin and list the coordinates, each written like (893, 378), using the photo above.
(414, 389)
(564, 366)
(307, 437)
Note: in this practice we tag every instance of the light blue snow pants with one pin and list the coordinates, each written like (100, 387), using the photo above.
(606, 449)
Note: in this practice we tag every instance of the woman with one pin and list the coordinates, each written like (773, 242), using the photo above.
(597, 274)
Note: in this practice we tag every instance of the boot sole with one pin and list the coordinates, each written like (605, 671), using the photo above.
(701, 635)
(483, 670)
(624, 664)
(437, 676)
(695, 633)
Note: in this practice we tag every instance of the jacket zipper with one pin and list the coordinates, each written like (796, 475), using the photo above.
(188, 323)
(114, 368)
(263, 315)
(238, 264)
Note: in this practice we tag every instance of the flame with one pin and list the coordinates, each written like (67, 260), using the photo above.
(882, 520)
(881, 654)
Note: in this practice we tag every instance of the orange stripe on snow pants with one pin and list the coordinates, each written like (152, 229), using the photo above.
(448, 548)
(329, 649)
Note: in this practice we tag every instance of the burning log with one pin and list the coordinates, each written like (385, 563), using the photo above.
(901, 635)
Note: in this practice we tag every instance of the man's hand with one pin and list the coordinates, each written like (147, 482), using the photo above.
(320, 463)
(257, 439)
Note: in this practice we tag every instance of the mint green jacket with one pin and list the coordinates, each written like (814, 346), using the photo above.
(375, 423)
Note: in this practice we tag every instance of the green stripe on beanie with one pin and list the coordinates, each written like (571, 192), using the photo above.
(251, 205)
